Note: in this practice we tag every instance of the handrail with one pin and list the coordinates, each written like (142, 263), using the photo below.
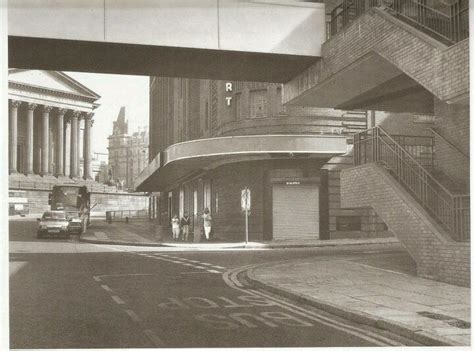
(452, 26)
(434, 131)
(375, 145)
(434, 180)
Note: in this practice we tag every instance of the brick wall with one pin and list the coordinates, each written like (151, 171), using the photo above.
(437, 256)
(452, 123)
(444, 71)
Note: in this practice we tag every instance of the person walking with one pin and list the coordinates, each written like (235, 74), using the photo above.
(207, 219)
(175, 227)
(185, 222)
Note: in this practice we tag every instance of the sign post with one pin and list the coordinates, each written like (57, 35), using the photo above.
(245, 204)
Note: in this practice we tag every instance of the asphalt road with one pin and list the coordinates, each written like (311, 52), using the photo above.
(67, 294)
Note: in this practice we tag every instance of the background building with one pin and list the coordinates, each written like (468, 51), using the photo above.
(128, 153)
(50, 119)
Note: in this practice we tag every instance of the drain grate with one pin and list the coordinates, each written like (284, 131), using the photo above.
(454, 322)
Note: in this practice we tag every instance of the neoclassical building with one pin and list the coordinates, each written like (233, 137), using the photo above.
(50, 126)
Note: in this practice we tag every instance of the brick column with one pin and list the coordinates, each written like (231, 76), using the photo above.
(67, 147)
(74, 143)
(45, 141)
(29, 138)
(13, 136)
(60, 142)
(87, 145)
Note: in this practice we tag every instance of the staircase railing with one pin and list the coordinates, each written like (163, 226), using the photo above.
(451, 210)
(448, 23)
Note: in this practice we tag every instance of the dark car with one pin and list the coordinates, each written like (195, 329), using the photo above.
(53, 223)
(75, 223)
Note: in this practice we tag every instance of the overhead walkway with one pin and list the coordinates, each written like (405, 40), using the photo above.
(229, 40)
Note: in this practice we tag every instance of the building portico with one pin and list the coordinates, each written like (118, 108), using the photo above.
(47, 123)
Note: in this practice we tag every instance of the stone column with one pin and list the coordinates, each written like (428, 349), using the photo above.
(78, 149)
(13, 136)
(60, 142)
(87, 146)
(29, 138)
(67, 147)
(74, 143)
(45, 141)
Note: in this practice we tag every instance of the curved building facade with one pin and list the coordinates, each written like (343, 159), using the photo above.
(210, 140)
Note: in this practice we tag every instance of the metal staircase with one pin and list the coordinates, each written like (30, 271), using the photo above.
(448, 205)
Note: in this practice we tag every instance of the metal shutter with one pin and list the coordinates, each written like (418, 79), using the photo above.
(295, 212)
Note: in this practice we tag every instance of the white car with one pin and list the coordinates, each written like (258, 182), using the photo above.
(53, 223)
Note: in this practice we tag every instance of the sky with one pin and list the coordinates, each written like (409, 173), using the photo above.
(115, 91)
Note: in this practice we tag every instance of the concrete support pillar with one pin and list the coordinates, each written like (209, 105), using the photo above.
(45, 141)
(74, 143)
(60, 142)
(29, 138)
(13, 136)
(87, 146)
(67, 147)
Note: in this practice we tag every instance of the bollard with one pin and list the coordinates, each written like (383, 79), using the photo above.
(126, 220)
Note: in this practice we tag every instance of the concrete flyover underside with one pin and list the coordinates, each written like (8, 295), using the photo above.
(183, 160)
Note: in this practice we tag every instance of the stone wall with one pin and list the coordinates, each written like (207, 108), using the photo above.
(436, 254)
(38, 201)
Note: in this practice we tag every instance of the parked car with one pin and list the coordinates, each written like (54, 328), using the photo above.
(53, 223)
(75, 223)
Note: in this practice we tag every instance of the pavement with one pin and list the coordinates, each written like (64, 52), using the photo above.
(429, 312)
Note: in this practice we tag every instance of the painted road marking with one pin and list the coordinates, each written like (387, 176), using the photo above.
(154, 338)
(207, 264)
(97, 279)
(133, 316)
(213, 271)
(118, 300)
(218, 267)
(106, 288)
(188, 264)
(199, 267)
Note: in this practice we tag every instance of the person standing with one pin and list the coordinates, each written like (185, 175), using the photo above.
(83, 217)
(185, 222)
(207, 219)
(175, 227)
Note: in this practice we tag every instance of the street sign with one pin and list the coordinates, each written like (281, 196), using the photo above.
(245, 199)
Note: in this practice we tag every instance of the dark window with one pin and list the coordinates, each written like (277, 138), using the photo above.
(348, 223)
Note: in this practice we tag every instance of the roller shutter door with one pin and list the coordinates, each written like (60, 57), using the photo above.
(295, 212)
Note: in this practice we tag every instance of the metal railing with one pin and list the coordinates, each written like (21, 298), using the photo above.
(126, 215)
(447, 23)
(450, 210)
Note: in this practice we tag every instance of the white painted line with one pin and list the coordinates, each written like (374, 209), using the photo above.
(188, 264)
(154, 338)
(193, 261)
(106, 288)
(133, 316)
(199, 267)
(118, 300)
(176, 261)
(213, 271)
(207, 264)
(218, 267)
(200, 272)
(97, 279)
